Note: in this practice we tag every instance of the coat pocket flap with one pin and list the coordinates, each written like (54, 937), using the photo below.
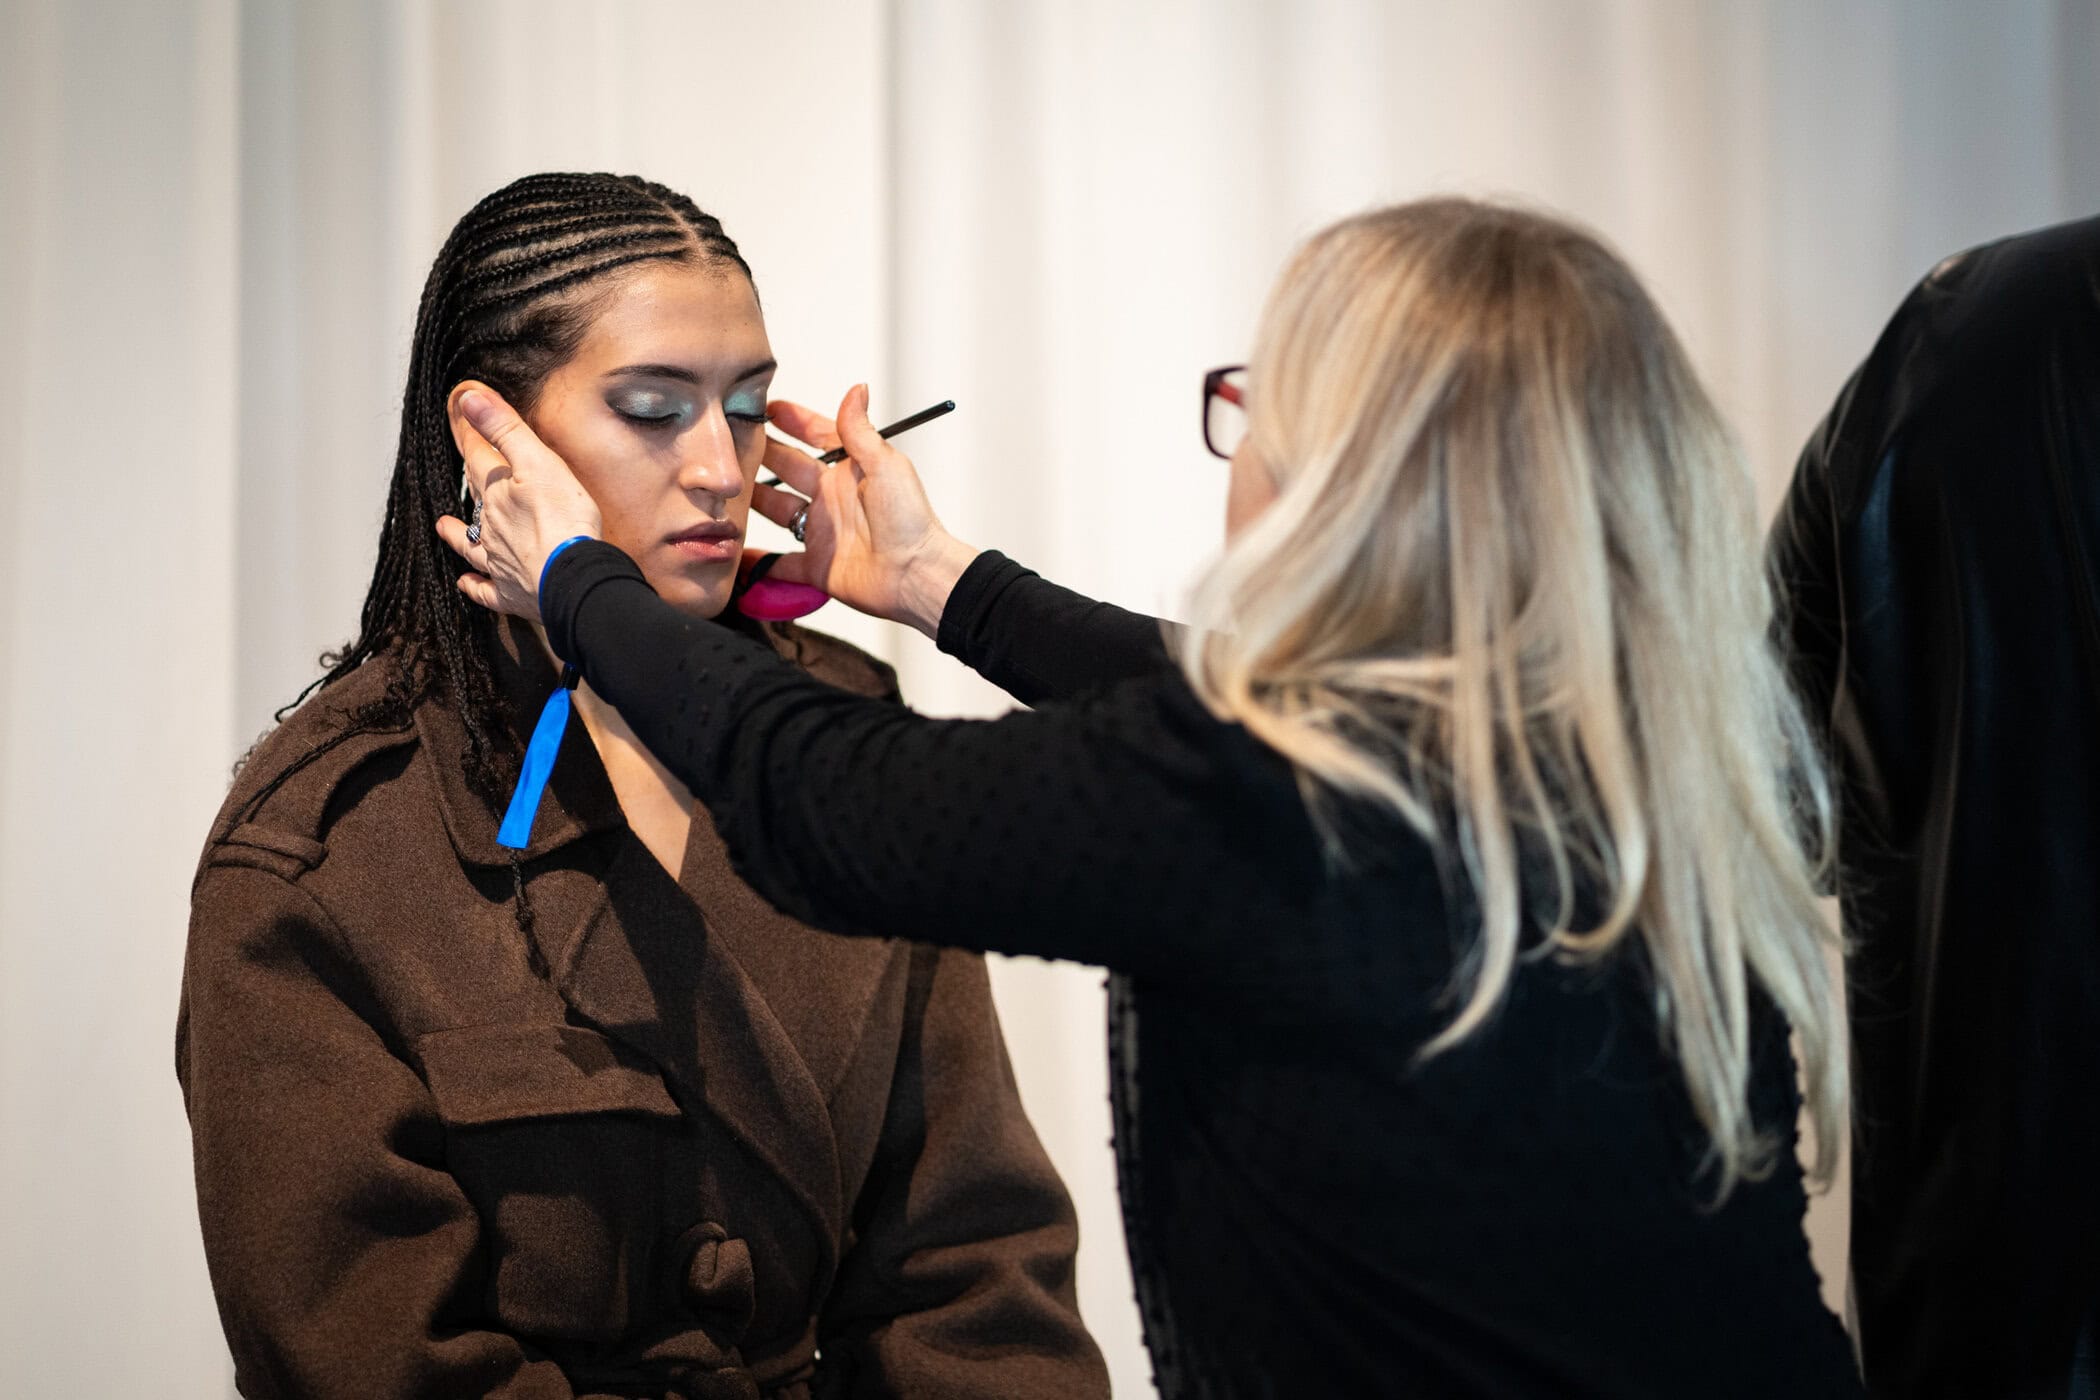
(504, 1074)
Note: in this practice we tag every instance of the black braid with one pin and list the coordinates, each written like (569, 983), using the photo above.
(528, 924)
(508, 301)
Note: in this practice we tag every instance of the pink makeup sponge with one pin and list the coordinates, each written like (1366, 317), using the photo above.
(769, 599)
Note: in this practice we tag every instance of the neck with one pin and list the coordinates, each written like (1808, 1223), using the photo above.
(619, 749)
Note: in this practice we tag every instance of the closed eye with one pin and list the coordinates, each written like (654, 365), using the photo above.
(650, 420)
(650, 408)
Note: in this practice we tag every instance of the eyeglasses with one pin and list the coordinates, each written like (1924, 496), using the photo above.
(1225, 410)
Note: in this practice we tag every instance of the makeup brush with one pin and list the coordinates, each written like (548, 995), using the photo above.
(902, 425)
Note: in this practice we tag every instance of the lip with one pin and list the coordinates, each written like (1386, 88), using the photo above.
(712, 542)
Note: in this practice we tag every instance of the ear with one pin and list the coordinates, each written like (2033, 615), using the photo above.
(462, 434)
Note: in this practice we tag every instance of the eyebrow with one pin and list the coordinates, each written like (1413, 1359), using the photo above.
(686, 376)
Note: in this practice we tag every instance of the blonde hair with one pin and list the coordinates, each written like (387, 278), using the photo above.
(1510, 588)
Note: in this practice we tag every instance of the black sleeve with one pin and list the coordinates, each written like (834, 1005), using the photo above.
(1130, 829)
(1038, 641)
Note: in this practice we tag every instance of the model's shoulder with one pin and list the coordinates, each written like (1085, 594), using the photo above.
(835, 661)
(287, 787)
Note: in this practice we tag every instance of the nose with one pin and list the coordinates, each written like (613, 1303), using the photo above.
(708, 459)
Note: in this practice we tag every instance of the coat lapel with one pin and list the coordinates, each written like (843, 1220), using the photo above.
(640, 963)
(819, 987)
(668, 966)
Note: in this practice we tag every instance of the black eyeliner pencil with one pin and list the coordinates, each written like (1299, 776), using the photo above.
(902, 425)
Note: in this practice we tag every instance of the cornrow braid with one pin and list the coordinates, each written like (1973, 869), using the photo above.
(508, 301)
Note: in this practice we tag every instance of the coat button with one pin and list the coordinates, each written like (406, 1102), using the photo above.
(717, 1283)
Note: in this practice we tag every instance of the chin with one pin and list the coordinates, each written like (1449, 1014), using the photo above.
(697, 592)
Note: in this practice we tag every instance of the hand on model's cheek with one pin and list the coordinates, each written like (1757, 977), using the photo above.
(660, 413)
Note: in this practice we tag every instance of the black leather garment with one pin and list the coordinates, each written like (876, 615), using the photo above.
(1940, 550)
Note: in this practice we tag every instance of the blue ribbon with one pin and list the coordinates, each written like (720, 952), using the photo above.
(516, 833)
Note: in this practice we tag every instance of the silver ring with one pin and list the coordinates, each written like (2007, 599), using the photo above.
(474, 530)
(798, 523)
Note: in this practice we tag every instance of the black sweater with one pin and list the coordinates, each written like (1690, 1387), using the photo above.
(1310, 1211)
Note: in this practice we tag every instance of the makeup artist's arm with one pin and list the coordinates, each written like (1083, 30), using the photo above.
(875, 544)
(1038, 641)
(1129, 828)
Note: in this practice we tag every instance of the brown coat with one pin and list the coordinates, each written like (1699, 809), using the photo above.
(710, 1144)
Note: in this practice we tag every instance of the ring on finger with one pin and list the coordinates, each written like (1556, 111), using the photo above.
(798, 523)
(474, 530)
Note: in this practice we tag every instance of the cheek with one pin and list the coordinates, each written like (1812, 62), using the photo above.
(1248, 493)
(591, 455)
(629, 484)
(626, 517)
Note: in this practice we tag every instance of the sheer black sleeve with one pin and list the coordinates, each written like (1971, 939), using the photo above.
(1130, 828)
(1038, 641)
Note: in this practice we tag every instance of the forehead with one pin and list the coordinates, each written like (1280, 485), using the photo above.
(676, 314)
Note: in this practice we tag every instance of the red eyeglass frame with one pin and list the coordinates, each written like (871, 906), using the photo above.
(1215, 387)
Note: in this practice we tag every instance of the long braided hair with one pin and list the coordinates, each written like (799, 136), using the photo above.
(508, 301)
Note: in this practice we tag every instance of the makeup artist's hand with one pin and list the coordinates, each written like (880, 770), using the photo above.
(872, 540)
(530, 501)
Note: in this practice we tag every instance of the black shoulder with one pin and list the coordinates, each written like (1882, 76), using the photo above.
(285, 789)
(835, 662)
(2001, 309)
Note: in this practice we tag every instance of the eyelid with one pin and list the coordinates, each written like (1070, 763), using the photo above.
(649, 404)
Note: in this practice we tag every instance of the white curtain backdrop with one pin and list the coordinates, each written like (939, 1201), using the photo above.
(215, 217)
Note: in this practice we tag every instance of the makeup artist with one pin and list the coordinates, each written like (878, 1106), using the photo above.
(1456, 869)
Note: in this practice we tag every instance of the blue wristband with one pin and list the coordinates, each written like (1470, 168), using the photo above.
(539, 594)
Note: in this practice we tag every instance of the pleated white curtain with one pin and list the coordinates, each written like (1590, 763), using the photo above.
(215, 216)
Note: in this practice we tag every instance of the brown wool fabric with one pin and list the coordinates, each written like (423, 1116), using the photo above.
(710, 1144)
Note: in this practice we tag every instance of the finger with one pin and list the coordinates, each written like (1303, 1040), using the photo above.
(483, 464)
(777, 505)
(479, 589)
(453, 531)
(804, 425)
(796, 568)
(798, 469)
(862, 443)
(480, 456)
(499, 425)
